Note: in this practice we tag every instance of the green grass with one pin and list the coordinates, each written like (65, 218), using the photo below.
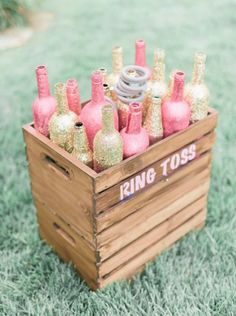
(198, 275)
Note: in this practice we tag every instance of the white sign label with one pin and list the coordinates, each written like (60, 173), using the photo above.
(148, 176)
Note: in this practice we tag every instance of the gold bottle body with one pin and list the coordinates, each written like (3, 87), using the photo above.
(153, 121)
(197, 95)
(61, 124)
(157, 85)
(196, 92)
(108, 144)
(81, 149)
(61, 128)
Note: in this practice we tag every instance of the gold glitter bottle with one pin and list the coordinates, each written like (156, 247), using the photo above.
(153, 121)
(107, 91)
(108, 145)
(81, 148)
(196, 92)
(117, 65)
(61, 124)
(158, 83)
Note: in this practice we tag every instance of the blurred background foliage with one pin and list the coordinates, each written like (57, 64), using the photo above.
(14, 12)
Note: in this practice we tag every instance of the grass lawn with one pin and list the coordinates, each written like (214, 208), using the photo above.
(198, 275)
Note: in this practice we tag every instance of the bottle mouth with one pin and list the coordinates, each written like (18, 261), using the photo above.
(117, 49)
(78, 124)
(135, 107)
(41, 69)
(200, 57)
(71, 85)
(160, 54)
(140, 43)
(59, 88)
(106, 86)
(179, 75)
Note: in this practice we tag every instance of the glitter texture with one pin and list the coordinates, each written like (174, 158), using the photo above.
(123, 110)
(81, 148)
(91, 114)
(146, 102)
(117, 65)
(73, 96)
(153, 121)
(44, 105)
(158, 85)
(135, 137)
(140, 55)
(175, 110)
(196, 92)
(62, 122)
(108, 145)
(171, 81)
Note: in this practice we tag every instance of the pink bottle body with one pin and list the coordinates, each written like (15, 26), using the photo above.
(91, 113)
(44, 105)
(175, 110)
(135, 137)
(73, 96)
(140, 55)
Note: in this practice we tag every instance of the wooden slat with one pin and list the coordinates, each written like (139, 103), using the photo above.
(112, 196)
(66, 251)
(69, 195)
(147, 217)
(134, 164)
(128, 269)
(154, 235)
(56, 224)
(64, 157)
(117, 213)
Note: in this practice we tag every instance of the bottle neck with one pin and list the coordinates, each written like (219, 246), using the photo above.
(97, 88)
(134, 119)
(199, 68)
(159, 66)
(156, 103)
(117, 60)
(42, 82)
(80, 138)
(198, 73)
(107, 119)
(72, 92)
(61, 98)
(140, 55)
(178, 87)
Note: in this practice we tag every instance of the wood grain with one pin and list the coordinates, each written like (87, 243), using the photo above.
(66, 250)
(134, 164)
(127, 270)
(174, 218)
(69, 195)
(117, 213)
(132, 227)
(111, 196)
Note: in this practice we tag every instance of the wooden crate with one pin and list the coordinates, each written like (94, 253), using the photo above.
(110, 224)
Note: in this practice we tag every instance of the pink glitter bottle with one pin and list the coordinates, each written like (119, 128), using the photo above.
(73, 96)
(135, 137)
(44, 105)
(175, 110)
(140, 55)
(91, 114)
